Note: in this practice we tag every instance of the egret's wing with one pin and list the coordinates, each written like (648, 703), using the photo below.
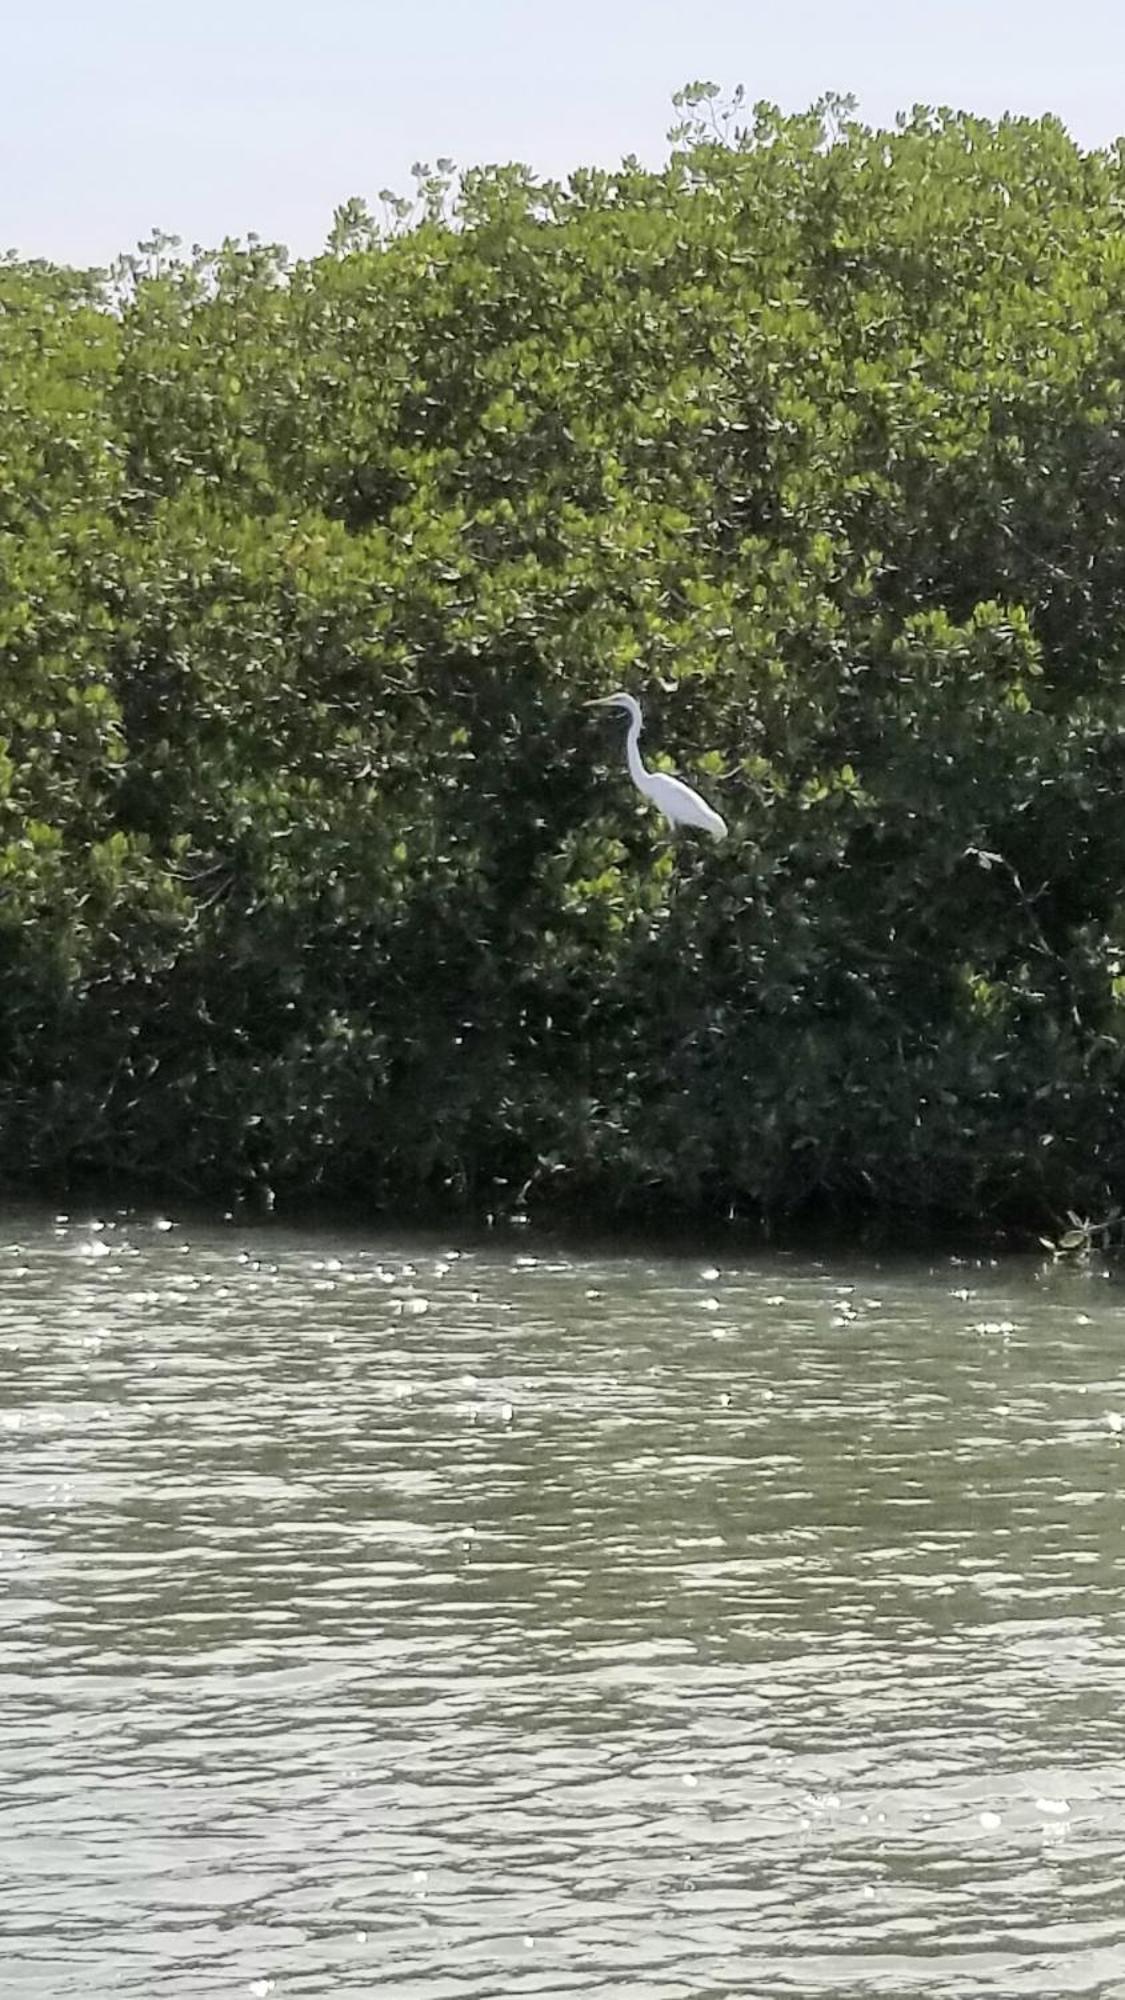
(683, 805)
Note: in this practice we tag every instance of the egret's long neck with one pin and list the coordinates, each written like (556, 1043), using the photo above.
(633, 756)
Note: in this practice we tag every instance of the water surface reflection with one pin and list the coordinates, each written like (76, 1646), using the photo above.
(378, 1618)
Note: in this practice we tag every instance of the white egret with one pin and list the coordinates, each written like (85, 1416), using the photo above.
(679, 804)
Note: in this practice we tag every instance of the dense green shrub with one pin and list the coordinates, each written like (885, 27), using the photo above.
(314, 871)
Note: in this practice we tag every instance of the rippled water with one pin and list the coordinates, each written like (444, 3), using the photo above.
(379, 1619)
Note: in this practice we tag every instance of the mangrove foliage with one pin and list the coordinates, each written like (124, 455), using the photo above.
(315, 872)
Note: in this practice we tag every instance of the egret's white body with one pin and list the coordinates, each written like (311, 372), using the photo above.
(679, 804)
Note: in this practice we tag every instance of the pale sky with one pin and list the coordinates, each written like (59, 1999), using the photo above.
(216, 117)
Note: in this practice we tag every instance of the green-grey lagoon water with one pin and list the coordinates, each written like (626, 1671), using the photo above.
(384, 1620)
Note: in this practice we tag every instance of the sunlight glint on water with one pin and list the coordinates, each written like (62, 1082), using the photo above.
(429, 1620)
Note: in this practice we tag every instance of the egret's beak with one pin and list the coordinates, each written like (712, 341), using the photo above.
(602, 701)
